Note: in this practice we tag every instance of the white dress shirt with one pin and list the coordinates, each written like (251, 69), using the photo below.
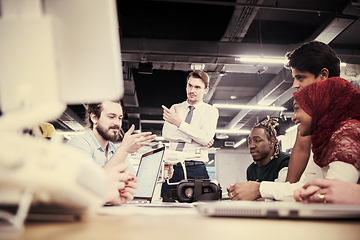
(285, 191)
(196, 134)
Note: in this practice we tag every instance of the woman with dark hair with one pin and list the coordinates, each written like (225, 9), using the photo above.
(329, 111)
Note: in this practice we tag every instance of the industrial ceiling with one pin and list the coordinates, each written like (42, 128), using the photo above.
(163, 40)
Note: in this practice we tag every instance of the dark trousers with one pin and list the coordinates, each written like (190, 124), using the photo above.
(192, 171)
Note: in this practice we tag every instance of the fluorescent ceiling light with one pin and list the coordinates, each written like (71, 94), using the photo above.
(234, 131)
(210, 162)
(222, 136)
(254, 59)
(197, 66)
(152, 121)
(252, 107)
(74, 125)
(68, 134)
(63, 133)
(240, 142)
(291, 128)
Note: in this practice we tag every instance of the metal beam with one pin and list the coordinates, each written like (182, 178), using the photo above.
(142, 49)
(234, 4)
(263, 93)
(334, 29)
(208, 52)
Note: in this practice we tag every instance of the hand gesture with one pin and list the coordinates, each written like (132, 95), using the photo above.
(133, 142)
(171, 117)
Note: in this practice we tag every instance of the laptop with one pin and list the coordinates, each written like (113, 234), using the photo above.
(289, 210)
(147, 175)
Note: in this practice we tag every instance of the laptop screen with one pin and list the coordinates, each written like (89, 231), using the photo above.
(147, 173)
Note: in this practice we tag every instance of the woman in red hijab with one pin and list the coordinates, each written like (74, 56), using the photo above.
(329, 111)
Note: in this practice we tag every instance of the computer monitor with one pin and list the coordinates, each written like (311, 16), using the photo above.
(54, 53)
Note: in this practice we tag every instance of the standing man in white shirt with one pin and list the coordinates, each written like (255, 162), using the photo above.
(190, 126)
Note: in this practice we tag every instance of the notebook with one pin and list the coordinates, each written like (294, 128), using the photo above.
(292, 210)
(147, 175)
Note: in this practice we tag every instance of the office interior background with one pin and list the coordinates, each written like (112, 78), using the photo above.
(241, 44)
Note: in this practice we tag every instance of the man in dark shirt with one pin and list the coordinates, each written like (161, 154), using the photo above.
(270, 164)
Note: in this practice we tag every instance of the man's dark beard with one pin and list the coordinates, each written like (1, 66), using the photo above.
(105, 135)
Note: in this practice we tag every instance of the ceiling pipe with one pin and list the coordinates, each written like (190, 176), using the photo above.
(234, 4)
(235, 32)
(240, 22)
(180, 51)
(274, 83)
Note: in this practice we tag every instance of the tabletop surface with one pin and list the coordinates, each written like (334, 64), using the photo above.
(186, 223)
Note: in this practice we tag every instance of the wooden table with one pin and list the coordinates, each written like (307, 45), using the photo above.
(190, 226)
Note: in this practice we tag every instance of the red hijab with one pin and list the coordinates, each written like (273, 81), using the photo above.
(334, 105)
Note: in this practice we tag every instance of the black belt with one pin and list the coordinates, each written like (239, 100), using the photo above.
(191, 163)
